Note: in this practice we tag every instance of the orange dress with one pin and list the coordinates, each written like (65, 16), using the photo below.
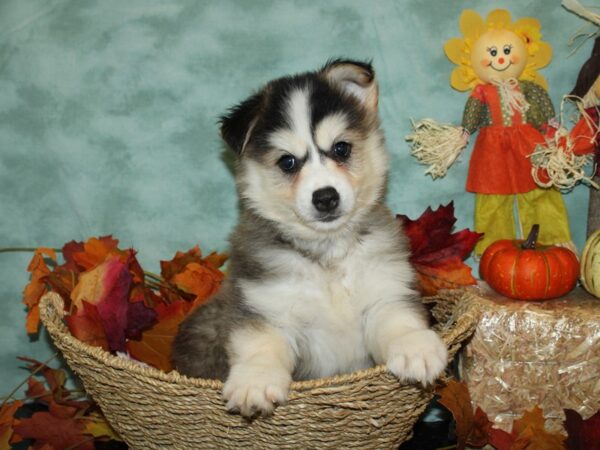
(500, 163)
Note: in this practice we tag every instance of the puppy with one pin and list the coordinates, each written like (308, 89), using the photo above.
(319, 281)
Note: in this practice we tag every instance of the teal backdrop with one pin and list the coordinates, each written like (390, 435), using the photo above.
(109, 109)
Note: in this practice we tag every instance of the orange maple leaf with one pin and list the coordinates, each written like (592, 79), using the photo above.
(528, 432)
(168, 269)
(36, 288)
(95, 251)
(201, 280)
(155, 346)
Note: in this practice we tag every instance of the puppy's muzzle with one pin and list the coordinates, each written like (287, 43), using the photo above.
(326, 200)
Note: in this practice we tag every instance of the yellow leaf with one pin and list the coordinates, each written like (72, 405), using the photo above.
(99, 427)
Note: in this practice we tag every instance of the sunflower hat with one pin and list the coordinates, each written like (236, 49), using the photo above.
(473, 27)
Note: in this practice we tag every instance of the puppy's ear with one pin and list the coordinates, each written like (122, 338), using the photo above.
(239, 122)
(354, 77)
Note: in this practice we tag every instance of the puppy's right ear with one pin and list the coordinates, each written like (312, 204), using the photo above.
(239, 122)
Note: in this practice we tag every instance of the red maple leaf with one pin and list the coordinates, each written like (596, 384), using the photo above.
(86, 326)
(437, 254)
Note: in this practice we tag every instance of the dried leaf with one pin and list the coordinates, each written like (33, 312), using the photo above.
(95, 251)
(98, 427)
(63, 280)
(155, 346)
(7, 413)
(528, 432)
(436, 252)
(107, 287)
(455, 397)
(168, 269)
(36, 288)
(55, 378)
(199, 279)
(139, 319)
(216, 260)
(582, 434)
(86, 326)
(60, 433)
(449, 274)
(480, 431)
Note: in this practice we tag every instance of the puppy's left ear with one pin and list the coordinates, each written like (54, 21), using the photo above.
(238, 123)
(356, 78)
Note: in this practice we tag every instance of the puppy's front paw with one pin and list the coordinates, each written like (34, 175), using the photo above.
(419, 355)
(255, 390)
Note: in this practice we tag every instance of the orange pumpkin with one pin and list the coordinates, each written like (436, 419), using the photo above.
(524, 270)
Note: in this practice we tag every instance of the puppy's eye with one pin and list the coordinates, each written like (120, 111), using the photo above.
(288, 163)
(342, 150)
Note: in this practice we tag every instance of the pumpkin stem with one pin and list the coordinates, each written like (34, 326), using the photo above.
(529, 244)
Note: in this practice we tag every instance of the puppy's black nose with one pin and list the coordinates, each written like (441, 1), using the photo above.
(326, 199)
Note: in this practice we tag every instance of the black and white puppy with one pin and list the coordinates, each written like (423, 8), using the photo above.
(319, 281)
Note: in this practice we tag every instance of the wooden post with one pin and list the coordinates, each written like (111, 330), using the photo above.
(593, 222)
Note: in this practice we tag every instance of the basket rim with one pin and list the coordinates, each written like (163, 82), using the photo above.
(52, 314)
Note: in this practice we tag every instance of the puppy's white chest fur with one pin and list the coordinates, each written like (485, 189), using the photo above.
(320, 307)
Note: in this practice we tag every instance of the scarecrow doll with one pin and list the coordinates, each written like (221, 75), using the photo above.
(497, 60)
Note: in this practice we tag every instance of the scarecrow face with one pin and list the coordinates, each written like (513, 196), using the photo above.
(498, 55)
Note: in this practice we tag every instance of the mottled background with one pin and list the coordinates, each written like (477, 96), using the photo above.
(108, 115)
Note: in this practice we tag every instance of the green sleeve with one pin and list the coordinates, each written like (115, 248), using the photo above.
(540, 106)
(474, 115)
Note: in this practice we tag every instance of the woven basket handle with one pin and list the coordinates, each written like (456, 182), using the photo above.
(456, 315)
(52, 313)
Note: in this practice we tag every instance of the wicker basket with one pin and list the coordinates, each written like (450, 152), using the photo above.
(153, 409)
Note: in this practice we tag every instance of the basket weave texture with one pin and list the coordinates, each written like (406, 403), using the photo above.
(151, 409)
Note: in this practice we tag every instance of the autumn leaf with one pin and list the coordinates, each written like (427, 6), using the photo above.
(582, 434)
(63, 280)
(201, 280)
(7, 413)
(86, 325)
(54, 378)
(471, 429)
(60, 433)
(216, 260)
(107, 287)
(528, 432)
(104, 316)
(480, 431)
(155, 346)
(93, 252)
(437, 254)
(98, 427)
(36, 288)
(168, 269)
